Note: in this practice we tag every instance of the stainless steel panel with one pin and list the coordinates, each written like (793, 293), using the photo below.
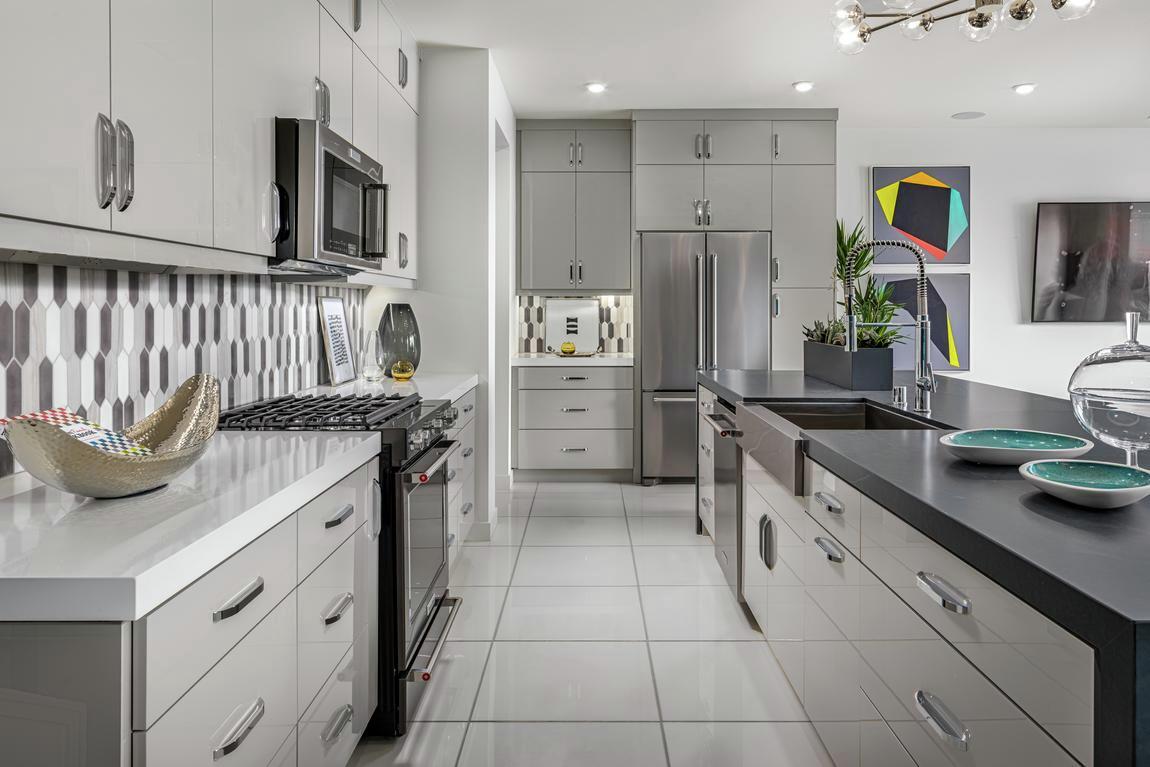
(725, 456)
(742, 276)
(669, 435)
(668, 332)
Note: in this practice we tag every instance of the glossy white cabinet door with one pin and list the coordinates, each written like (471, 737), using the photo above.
(162, 89)
(411, 86)
(390, 40)
(345, 12)
(54, 64)
(336, 69)
(793, 308)
(266, 55)
(398, 144)
(365, 106)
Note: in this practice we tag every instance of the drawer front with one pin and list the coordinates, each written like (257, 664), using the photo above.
(180, 640)
(327, 521)
(1043, 668)
(454, 530)
(706, 476)
(288, 754)
(583, 377)
(589, 409)
(328, 619)
(465, 412)
(919, 683)
(835, 504)
(575, 449)
(333, 724)
(255, 684)
(706, 399)
(467, 507)
(790, 507)
(771, 588)
(461, 465)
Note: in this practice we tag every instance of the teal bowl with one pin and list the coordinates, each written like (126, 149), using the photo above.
(1094, 484)
(1012, 447)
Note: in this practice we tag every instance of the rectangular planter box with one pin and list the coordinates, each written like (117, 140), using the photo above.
(864, 370)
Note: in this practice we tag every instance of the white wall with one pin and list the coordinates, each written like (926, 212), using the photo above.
(1011, 171)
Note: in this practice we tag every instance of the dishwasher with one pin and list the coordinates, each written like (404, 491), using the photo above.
(725, 457)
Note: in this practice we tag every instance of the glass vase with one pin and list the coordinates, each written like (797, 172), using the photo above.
(399, 334)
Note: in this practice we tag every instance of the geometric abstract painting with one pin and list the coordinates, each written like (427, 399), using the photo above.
(927, 206)
(948, 302)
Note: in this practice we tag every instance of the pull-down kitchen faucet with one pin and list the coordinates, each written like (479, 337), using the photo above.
(923, 372)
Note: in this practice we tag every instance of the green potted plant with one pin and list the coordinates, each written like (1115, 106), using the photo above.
(871, 368)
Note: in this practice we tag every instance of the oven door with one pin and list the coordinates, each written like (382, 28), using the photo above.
(423, 494)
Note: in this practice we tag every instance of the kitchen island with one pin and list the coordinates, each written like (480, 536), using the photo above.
(1087, 571)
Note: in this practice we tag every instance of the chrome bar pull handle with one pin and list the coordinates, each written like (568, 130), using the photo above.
(376, 509)
(565, 378)
(580, 154)
(574, 409)
(239, 601)
(356, 15)
(105, 161)
(240, 730)
(579, 272)
(125, 166)
(338, 608)
(776, 305)
(467, 507)
(698, 205)
(710, 146)
(831, 504)
(776, 145)
(571, 271)
(572, 450)
(707, 502)
(700, 312)
(775, 269)
(698, 146)
(706, 450)
(944, 593)
(768, 548)
(341, 516)
(833, 552)
(946, 725)
(375, 220)
(319, 111)
(571, 154)
(707, 203)
(468, 408)
(660, 400)
(467, 453)
(450, 475)
(713, 362)
(337, 723)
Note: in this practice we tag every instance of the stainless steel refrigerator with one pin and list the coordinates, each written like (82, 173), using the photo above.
(704, 304)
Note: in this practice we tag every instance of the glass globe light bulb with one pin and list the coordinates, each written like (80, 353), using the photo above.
(1019, 14)
(1069, 10)
(898, 5)
(916, 27)
(851, 39)
(844, 11)
(978, 25)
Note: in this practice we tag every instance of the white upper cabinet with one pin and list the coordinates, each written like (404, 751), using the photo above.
(737, 142)
(546, 150)
(360, 20)
(264, 66)
(390, 41)
(365, 108)
(804, 142)
(409, 76)
(668, 142)
(336, 70)
(398, 148)
(54, 63)
(162, 93)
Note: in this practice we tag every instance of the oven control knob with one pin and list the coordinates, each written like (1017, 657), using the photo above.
(419, 437)
(438, 423)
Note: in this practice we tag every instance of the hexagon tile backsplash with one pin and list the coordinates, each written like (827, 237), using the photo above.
(616, 324)
(113, 345)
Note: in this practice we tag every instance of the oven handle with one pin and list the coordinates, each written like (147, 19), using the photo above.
(420, 474)
(423, 673)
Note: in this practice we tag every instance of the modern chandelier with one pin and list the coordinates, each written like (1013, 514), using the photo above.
(854, 25)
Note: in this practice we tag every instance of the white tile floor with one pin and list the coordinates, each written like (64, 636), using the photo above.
(597, 629)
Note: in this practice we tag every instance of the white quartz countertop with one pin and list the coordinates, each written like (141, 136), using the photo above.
(68, 558)
(449, 386)
(546, 359)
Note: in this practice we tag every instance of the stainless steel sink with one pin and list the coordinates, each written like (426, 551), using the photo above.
(845, 415)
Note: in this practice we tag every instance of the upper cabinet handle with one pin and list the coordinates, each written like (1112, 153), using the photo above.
(698, 212)
(944, 593)
(571, 154)
(776, 305)
(105, 161)
(580, 153)
(319, 101)
(710, 146)
(356, 15)
(403, 250)
(777, 144)
(125, 166)
(829, 502)
(775, 269)
(707, 203)
(240, 600)
(698, 146)
(579, 272)
(833, 552)
(337, 519)
(571, 271)
(946, 725)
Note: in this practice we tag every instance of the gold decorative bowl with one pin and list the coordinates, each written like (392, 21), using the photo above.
(177, 433)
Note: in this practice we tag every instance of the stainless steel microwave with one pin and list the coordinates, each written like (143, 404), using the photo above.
(329, 207)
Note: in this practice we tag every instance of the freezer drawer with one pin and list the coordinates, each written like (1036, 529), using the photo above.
(669, 435)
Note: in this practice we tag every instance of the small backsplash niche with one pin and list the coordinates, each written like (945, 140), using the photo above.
(616, 324)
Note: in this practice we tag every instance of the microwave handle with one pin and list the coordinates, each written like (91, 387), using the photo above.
(375, 220)
(278, 229)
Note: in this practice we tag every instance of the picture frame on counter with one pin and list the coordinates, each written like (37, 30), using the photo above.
(338, 354)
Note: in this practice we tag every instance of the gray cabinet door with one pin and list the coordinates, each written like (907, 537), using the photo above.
(547, 230)
(603, 231)
(737, 142)
(739, 198)
(603, 150)
(665, 197)
(791, 309)
(804, 225)
(804, 142)
(547, 150)
(668, 142)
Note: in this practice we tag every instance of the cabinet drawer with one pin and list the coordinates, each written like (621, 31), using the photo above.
(254, 684)
(575, 449)
(706, 399)
(466, 508)
(333, 724)
(588, 409)
(790, 507)
(585, 377)
(914, 677)
(465, 413)
(176, 643)
(1045, 670)
(327, 521)
(835, 504)
(706, 475)
(461, 465)
(772, 588)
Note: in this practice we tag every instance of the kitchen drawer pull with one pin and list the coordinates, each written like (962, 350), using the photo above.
(339, 517)
(240, 730)
(574, 378)
(833, 552)
(706, 450)
(707, 502)
(572, 450)
(338, 721)
(944, 593)
(240, 600)
(768, 550)
(450, 475)
(467, 507)
(948, 727)
(829, 502)
(726, 432)
(338, 608)
(468, 452)
(468, 408)
(575, 409)
(661, 400)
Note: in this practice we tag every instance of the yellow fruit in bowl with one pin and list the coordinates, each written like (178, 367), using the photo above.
(402, 370)
(567, 347)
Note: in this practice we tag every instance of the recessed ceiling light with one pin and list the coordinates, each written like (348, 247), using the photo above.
(1024, 89)
(596, 87)
(803, 86)
(967, 115)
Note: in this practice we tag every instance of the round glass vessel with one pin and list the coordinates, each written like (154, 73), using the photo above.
(1110, 392)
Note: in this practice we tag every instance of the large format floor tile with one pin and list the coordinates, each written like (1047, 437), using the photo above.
(678, 566)
(577, 531)
(450, 694)
(695, 612)
(734, 744)
(508, 532)
(567, 681)
(666, 531)
(609, 490)
(575, 566)
(722, 681)
(426, 744)
(662, 500)
(514, 505)
(576, 506)
(480, 612)
(610, 613)
(563, 744)
(483, 566)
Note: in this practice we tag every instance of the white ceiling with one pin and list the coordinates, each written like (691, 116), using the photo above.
(746, 53)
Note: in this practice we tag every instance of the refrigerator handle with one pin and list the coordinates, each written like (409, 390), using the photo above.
(714, 274)
(700, 311)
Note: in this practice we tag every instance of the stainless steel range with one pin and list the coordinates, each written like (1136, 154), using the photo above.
(416, 610)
